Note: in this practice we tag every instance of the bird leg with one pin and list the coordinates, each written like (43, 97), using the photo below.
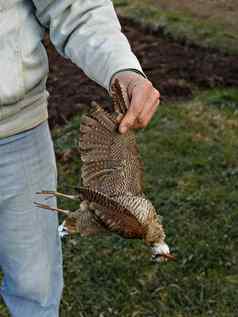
(69, 225)
(72, 219)
(66, 227)
(62, 211)
(57, 194)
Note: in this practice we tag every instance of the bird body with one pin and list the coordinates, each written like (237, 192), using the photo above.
(112, 198)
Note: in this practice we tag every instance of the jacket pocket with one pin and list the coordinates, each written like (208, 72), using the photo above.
(34, 60)
(23, 59)
(11, 84)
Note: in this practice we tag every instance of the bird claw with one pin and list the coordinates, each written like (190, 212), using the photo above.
(163, 258)
(62, 230)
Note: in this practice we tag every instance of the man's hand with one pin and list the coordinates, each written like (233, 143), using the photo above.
(144, 100)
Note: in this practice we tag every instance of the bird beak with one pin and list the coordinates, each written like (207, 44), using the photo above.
(163, 257)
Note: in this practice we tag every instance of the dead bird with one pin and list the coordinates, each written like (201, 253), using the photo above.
(111, 197)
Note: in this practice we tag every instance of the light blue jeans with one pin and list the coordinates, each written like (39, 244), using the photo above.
(30, 249)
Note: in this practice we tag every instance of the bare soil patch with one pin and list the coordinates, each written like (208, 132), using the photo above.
(175, 68)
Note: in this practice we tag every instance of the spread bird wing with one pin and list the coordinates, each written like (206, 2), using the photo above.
(111, 163)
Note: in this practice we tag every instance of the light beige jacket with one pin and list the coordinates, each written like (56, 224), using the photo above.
(85, 31)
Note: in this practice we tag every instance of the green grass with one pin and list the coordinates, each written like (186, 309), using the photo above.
(191, 171)
(190, 152)
(181, 25)
(223, 98)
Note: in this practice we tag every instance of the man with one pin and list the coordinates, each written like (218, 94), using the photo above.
(87, 32)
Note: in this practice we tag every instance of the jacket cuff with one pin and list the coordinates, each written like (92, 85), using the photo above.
(140, 72)
(104, 75)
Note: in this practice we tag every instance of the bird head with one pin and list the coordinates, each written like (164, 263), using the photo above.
(161, 252)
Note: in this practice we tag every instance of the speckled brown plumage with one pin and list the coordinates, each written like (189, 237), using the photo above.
(112, 178)
(113, 168)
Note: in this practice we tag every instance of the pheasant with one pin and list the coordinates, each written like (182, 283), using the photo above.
(111, 197)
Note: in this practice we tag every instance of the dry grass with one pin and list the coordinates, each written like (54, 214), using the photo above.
(206, 23)
(224, 12)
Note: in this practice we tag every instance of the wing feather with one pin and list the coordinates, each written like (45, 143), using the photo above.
(111, 162)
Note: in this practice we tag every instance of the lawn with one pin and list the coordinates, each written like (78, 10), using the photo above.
(191, 168)
(190, 154)
(212, 24)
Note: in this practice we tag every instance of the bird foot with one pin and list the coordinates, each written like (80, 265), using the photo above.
(62, 230)
(69, 225)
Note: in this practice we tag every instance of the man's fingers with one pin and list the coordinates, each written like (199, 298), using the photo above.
(148, 110)
(136, 107)
(144, 101)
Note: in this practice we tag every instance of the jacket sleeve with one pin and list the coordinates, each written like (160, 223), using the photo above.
(88, 32)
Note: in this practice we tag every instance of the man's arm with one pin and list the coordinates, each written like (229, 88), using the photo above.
(89, 33)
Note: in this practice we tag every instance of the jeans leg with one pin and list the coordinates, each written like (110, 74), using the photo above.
(30, 249)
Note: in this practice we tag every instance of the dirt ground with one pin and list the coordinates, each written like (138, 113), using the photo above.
(222, 11)
(175, 68)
